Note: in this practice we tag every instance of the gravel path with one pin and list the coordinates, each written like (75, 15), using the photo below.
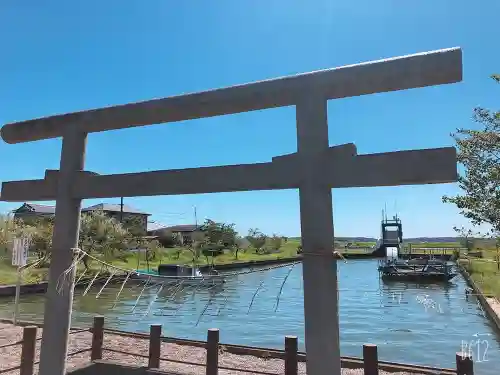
(495, 305)
(9, 356)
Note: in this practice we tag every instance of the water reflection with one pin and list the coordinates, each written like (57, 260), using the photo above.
(412, 323)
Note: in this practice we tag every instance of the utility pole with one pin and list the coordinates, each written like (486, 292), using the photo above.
(195, 218)
(121, 210)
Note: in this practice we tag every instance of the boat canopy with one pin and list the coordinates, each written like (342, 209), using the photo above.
(175, 270)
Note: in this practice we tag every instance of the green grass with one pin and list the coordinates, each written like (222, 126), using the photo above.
(417, 250)
(436, 244)
(484, 271)
(486, 275)
(133, 261)
(185, 256)
(356, 251)
(481, 270)
(8, 274)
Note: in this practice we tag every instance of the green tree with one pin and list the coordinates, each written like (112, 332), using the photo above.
(10, 228)
(496, 237)
(41, 240)
(219, 233)
(275, 242)
(235, 249)
(102, 235)
(479, 153)
(467, 239)
(196, 249)
(167, 239)
(257, 239)
(240, 244)
(134, 226)
(154, 251)
(174, 253)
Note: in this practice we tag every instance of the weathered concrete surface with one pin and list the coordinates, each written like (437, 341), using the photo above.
(400, 73)
(59, 303)
(319, 267)
(337, 167)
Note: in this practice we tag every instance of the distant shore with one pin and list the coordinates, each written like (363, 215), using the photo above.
(33, 288)
(227, 262)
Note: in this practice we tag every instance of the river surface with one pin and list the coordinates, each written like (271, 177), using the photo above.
(422, 324)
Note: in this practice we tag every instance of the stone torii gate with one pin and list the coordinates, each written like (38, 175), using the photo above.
(314, 169)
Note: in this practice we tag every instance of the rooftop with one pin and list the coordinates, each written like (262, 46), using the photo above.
(152, 226)
(114, 208)
(37, 208)
(180, 228)
(46, 209)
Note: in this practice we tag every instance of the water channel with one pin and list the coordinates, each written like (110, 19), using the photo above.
(422, 324)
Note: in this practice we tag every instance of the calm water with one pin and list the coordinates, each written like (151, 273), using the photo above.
(409, 323)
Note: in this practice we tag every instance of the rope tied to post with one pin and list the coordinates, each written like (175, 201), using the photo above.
(334, 253)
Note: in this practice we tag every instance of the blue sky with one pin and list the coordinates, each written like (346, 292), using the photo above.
(60, 56)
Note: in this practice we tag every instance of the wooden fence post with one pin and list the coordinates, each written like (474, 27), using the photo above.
(97, 338)
(154, 346)
(28, 350)
(370, 359)
(464, 364)
(212, 352)
(291, 359)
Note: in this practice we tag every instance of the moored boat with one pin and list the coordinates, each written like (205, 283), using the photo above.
(187, 275)
(431, 270)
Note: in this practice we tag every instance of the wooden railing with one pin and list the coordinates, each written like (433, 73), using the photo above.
(291, 355)
(432, 250)
(27, 360)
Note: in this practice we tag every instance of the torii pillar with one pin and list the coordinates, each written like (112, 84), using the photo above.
(319, 268)
(314, 169)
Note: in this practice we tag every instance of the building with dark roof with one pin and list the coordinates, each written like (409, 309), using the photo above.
(132, 218)
(109, 208)
(30, 212)
(185, 233)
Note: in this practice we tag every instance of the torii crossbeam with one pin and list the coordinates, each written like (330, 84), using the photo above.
(314, 169)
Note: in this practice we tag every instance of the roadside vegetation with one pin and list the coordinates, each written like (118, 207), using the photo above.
(124, 246)
(478, 151)
(115, 243)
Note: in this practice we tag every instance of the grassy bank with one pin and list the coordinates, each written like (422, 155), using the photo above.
(185, 256)
(176, 255)
(485, 272)
(134, 261)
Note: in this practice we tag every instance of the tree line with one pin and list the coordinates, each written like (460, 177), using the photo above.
(111, 239)
(478, 151)
(212, 238)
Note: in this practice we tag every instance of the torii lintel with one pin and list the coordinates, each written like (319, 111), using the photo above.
(338, 167)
